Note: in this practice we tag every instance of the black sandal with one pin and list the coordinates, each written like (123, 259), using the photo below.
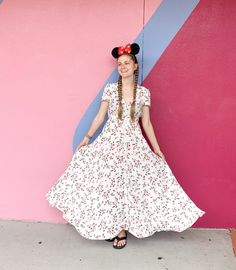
(110, 240)
(119, 239)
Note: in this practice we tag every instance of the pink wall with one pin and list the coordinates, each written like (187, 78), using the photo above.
(50, 71)
(194, 109)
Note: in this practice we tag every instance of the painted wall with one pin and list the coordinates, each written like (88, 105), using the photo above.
(55, 62)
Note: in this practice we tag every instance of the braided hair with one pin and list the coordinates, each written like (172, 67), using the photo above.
(120, 109)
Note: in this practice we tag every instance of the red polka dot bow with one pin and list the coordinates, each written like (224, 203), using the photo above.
(126, 49)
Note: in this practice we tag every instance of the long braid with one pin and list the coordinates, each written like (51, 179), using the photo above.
(120, 110)
(132, 111)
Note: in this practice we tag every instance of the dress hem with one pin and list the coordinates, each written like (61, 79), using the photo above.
(64, 215)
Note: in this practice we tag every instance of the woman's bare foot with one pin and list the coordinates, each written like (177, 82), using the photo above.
(121, 242)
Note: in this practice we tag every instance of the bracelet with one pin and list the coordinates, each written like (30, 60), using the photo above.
(90, 137)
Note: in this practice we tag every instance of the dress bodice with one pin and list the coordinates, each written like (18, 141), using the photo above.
(111, 94)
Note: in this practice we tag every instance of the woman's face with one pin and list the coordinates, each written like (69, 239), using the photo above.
(126, 66)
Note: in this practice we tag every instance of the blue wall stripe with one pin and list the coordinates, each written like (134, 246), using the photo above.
(162, 28)
(156, 35)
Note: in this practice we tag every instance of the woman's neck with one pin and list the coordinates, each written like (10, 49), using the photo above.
(128, 83)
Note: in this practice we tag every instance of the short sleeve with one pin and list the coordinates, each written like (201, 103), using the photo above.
(106, 93)
(146, 97)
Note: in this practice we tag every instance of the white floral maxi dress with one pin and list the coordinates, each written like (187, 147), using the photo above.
(117, 182)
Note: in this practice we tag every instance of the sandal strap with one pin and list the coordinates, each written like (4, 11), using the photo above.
(121, 238)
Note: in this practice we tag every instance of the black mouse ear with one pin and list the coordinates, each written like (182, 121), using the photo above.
(135, 48)
(114, 52)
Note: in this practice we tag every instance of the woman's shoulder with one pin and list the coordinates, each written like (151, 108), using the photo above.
(111, 86)
(114, 84)
(143, 89)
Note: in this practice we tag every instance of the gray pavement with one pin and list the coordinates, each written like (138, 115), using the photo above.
(48, 246)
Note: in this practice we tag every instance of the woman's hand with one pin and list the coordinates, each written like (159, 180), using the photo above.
(159, 153)
(84, 142)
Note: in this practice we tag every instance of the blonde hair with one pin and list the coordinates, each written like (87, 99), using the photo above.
(120, 109)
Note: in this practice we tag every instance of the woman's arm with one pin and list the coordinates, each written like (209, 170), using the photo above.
(148, 128)
(97, 121)
(99, 118)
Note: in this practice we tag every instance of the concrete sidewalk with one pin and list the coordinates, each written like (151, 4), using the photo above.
(49, 246)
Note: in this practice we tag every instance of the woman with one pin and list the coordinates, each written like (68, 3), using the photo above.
(117, 183)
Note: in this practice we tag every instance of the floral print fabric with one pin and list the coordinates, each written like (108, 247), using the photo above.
(118, 183)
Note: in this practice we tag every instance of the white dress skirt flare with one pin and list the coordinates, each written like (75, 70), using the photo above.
(118, 183)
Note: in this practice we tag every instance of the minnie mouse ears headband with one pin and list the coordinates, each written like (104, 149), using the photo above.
(129, 48)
